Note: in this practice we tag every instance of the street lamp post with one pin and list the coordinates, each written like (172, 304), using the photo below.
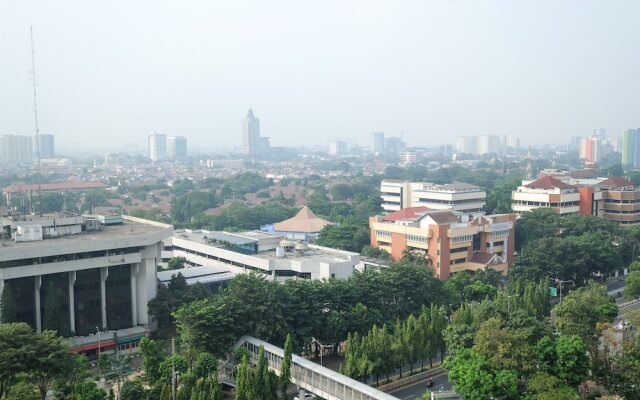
(508, 301)
(559, 282)
(98, 333)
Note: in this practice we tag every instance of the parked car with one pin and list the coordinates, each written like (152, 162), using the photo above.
(307, 396)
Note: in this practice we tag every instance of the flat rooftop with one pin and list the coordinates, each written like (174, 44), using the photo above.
(203, 274)
(123, 234)
(312, 254)
(237, 238)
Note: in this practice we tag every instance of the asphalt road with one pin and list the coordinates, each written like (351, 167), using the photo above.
(416, 390)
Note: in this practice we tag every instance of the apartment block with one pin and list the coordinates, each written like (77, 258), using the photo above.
(547, 192)
(456, 196)
(448, 242)
(614, 199)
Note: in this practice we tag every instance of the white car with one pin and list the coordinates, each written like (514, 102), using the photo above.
(307, 396)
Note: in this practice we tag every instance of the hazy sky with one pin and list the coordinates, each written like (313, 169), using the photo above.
(109, 72)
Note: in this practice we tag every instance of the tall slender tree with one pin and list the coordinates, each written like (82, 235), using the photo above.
(285, 369)
(242, 380)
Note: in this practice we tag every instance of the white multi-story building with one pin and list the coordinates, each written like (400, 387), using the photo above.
(466, 145)
(177, 147)
(408, 157)
(16, 149)
(546, 192)
(229, 164)
(270, 254)
(158, 147)
(81, 275)
(488, 144)
(337, 148)
(456, 196)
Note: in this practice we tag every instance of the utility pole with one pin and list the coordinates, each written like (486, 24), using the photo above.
(508, 301)
(35, 115)
(559, 282)
(173, 368)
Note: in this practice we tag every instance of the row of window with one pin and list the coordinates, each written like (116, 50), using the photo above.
(613, 201)
(449, 202)
(543, 204)
(383, 234)
(68, 257)
(416, 239)
(499, 234)
(462, 239)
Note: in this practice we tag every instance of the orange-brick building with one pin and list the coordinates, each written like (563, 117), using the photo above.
(448, 241)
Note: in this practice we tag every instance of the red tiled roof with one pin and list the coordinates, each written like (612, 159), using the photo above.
(21, 187)
(443, 217)
(548, 182)
(616, 181)
(405, 213)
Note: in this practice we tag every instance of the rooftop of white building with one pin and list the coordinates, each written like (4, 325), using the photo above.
(132, 232)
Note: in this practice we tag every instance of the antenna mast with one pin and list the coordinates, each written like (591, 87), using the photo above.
(35, 115)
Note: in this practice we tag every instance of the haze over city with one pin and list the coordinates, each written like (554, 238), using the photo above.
(110, 73)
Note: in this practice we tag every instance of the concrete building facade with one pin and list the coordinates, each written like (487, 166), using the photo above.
(591, 150)
(270, 254)
(456, 196)
(614, 199)
(47, 146)
(16, 149)
(337, 148)
(252, 142)
(631, 147)
(546, 192)
(448, 242)
(76, 275)
(176, 148)
(158, 147)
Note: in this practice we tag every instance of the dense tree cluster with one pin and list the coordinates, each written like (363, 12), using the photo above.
(325, 310)
(511, 347)
(352, 235)
(570, 248)
(240, 217)
(31, 360)
(384, 349)
(169, 298)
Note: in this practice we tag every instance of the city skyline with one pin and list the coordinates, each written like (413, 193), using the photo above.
(180, 69)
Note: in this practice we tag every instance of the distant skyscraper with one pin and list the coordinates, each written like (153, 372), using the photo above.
(252, 143)
(47, 149)
(393, 145)
(590, 150)
(466, 145)
(377, 142)
(487, 144)
(158, 147)
(631, 147)
(600, 133)
(177, 147)
(337, 148)
(16, 149)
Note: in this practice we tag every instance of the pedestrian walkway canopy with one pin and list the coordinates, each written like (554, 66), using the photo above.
(307, 375)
